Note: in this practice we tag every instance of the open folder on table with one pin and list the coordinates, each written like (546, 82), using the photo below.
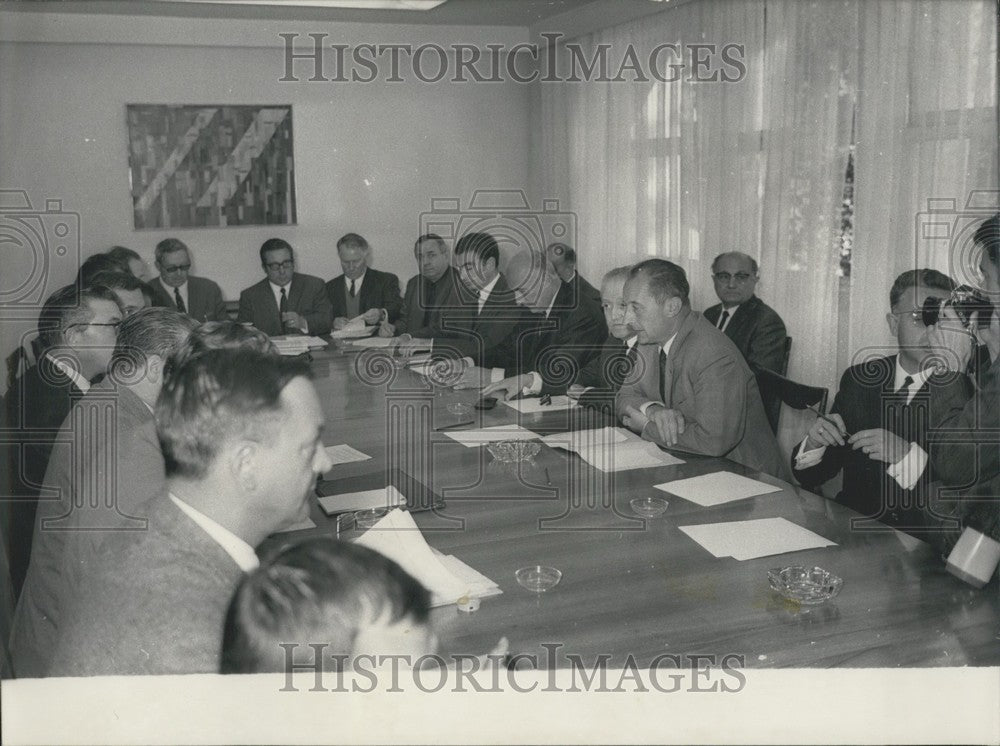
(762, 537)
(612, 449)
(447, 578)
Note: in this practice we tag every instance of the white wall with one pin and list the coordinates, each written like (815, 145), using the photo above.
(368, 157)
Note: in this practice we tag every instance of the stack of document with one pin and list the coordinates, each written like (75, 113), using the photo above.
(344, 454)
(447, 578)
(744, 540)
(383, 497)
(373, 342)
(533, 405)
(717, 488)
(296, 344)
(353, 329)
(473, 438)
(612, 449)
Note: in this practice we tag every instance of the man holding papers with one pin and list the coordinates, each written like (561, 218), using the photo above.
(694, 391)
(361, 290)
(285, 302)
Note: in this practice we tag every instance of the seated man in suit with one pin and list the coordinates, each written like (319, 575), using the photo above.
(76, 329)
(563, 260)
(241, 435)
(106, 470)
(199, 298)
(433, 288)
(753, 325)
(126, 287)
(696, 392)
(482, 326)
(131, 260)
(285, 302)
(351, 599)
(877, 429)
(361, 290)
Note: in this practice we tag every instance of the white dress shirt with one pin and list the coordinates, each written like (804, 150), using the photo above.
(182, 289)
(276, 289)
(484, 292)
(72, 373)
(729, 318)
(241, 552)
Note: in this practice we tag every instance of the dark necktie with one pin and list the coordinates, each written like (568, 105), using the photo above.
(723, 318)
(282, 306)
(904, 389)
(663, 375)
(352, 288)
(179, 301)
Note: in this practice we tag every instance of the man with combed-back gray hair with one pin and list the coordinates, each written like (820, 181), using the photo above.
(241, 434)
(107, 470)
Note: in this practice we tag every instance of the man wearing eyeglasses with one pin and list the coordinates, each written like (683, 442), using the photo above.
(177, 288)
(285, 302)
(877, 429)
(77, 331)
(755, 328)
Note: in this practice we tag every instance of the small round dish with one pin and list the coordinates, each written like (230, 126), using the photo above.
(512, 451)
(806, 585)
(538, 578)
(648, 507)
(365, 519)
(459, 409)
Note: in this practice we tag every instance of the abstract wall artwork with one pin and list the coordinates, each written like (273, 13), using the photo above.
(196, 166)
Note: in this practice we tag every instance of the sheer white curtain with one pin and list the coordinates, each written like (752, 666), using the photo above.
(686, 169)
(926, 168)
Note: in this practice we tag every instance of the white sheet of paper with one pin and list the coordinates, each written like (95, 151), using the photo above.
(473, 438)
(344, 454)
(381, 498)
(533, 405)
(630, 454)
(290, 345)
(372, 342)
(300, 526)
(762, 537)
(717, 488)
(575, 440)
(397, 537)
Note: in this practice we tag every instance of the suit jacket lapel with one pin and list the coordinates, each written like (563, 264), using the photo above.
(675, 349)
(294, 293)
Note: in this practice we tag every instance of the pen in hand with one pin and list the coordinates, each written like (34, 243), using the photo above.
(843, 431)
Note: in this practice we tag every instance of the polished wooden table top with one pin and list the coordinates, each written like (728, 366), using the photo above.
(631, 586)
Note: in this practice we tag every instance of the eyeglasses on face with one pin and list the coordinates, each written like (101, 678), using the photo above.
(726, 276)
(176, 268)
(916, 316)
(276, 266)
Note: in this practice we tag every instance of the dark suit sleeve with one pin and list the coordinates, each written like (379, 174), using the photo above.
(217, 304)
(834, 457)
(402, 323)
(245, 314)
(316, 309)
(391, 301)
(956, 461)
(767, 344)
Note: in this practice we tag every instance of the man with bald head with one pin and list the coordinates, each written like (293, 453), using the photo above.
(755, 328)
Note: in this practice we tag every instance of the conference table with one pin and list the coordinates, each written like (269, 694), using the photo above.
(632, 587)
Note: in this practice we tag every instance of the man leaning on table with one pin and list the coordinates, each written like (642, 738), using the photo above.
(285, 302)
(361, 290)
(696, 392)
(241, 438)
(877, 429)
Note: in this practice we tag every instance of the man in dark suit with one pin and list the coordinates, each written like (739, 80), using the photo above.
(877, 430)
(754, 327)
(176, 288)
(76, 329)
(241, 438)
(694, 391)
(434, 288)
(106, 469)
(361, 290)
(285, 302)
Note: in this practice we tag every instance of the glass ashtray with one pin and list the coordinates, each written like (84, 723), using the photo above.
(512, 451)
(648, 507)
(806, 585)
(538, 578)
(459, 409)
(364, 519)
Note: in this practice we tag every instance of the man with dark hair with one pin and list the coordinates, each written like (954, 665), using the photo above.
(965, 454)
(433, 288)
(106, 470)
(240, 433)
(285, 302)
(76, 330)
(125, 286)
(877, 429)
(755, 328)
(131, 260)
(353, 600)
(696, 392)
(176, 288)
(97, 263)
(361, 290)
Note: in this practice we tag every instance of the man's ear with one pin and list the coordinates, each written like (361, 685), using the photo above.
(154, 368)
(673, 306)
(893, 321)
(242, 461)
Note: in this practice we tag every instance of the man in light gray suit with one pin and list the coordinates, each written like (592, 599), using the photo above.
(241, 438)
(694, 391)
(105, 470)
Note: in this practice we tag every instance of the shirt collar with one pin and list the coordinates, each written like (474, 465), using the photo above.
(276, 289)
(170, 288)
(667, 344)
(630, 342)
(241, 552)
(918, 378)
(484, 292)
(71, 373)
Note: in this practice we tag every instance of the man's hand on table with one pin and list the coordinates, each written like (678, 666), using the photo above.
(669, 424)
(508, 387)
